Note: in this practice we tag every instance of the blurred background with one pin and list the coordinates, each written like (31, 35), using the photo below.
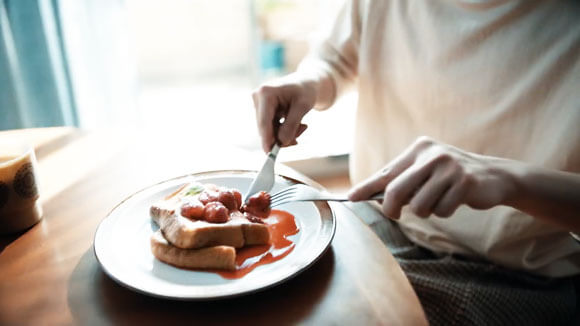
(182, 67)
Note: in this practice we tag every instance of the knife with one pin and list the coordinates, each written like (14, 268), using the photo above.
(265, 178)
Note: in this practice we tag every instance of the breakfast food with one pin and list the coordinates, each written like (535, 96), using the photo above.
(202, 225)
(221, 257)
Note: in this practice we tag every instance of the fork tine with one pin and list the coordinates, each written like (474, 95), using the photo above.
(279, 203)
(284, 195)
(281, 199)
(280, 194)
(288, 190)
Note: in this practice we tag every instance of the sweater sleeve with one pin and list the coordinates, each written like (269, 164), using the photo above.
(334, 52)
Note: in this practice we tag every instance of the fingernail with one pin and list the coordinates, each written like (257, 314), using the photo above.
(301, 129)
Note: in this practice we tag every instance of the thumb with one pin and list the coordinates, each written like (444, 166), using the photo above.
(367, 188)
(292, 127)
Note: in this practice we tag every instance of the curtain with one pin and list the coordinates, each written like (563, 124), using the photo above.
(66, 62)
(35, 89)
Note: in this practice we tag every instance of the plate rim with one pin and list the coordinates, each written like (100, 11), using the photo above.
(321, 206)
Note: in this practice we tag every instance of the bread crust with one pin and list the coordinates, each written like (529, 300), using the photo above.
(219, 257)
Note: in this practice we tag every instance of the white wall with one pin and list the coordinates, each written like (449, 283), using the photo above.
(181, 39)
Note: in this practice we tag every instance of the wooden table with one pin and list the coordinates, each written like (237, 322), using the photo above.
(49, 274)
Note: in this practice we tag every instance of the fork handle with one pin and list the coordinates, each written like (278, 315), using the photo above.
(341, 197)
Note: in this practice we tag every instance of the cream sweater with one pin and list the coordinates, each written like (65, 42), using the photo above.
(499, 78)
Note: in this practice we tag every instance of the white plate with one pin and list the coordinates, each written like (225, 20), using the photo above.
(122, 244)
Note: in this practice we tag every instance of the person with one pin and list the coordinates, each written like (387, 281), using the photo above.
(468, 118)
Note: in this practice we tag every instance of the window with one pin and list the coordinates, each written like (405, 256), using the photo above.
(198, 62)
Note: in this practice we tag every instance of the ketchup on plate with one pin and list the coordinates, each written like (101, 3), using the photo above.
(281, 225)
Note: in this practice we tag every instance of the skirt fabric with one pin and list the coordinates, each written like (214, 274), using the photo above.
(454, 290)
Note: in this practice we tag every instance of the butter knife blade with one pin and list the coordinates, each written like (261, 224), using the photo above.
(264, 181)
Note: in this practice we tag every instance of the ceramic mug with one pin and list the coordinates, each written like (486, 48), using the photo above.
(20, 207)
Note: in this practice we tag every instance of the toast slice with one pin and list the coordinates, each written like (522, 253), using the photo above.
(219, 257)
(185, 233)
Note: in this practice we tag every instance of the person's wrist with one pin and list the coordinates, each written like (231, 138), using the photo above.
(512, 173)
(310, 91)
(321, 85)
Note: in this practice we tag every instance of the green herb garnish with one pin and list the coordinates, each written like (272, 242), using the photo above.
(194, 190)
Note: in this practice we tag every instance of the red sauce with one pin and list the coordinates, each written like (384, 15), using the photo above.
(281, 225)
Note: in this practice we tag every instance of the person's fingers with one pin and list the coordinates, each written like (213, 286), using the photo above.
(373, 184)
(266, 109)
(451, 200)
(429, 194)
(401, 189)
(290, 127)
(301, 129)
(378, 181)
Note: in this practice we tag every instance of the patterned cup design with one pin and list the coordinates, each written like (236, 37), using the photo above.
(24, 181)
(4, 193)
(19, 196)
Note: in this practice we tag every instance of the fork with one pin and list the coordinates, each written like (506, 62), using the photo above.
(301, 192)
